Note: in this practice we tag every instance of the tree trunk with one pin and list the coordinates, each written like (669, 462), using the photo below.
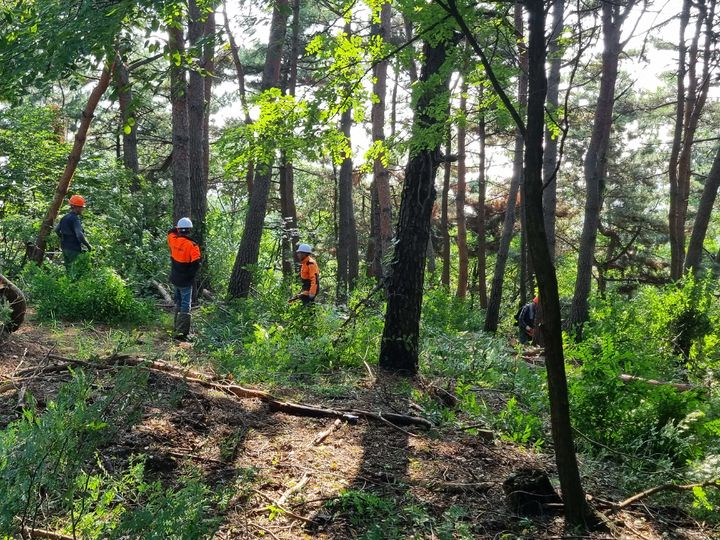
(444, 218)
(249, 248)
(129, 125)
(37, 252)
(180, 135)
(493, 310)
(690, 104)
(702, 218)
(196, 133)
(551, 143)
(595, 166)
(381, 176)
(482, 188)
(347, 250)
(291, 235)
(460, 197)
(209, 65)
(576, 509)
(399, 347)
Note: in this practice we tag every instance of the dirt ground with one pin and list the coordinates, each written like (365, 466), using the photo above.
(285, 485)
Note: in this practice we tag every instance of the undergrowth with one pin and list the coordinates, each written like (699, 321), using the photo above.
(84, 292)
(51, 469)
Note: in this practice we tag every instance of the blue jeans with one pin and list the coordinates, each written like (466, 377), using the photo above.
(183, 299)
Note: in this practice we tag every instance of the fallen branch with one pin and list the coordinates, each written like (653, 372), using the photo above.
(163, 292)
(325, 434)
(274, 506)
(715, 482)
(380, 418)
(397, 419)
(41, 533)
(682, 387)
(297, 409)
(275, 405)
(293, 489)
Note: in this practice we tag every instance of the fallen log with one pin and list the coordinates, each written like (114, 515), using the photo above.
(682, 387)
(297, 409)
(16, 302)
(163, 292)
(397, 419)
(49, 535)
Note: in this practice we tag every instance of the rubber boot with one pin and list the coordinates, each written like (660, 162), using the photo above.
(182, 325)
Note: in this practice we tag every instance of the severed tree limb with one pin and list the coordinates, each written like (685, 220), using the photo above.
(325, 434)
(397, 419)
(275, 405)
(297, 409)
(293, 489)
(715, 482)
(41, 533)
(163, 292)
(682, 387)
(385, 421)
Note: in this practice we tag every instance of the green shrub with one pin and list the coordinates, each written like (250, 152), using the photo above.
(84, 293)
(41, 455)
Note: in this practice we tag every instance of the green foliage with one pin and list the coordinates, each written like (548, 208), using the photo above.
(42, 455)
(84, 293)
(373, 517)
(651, 429)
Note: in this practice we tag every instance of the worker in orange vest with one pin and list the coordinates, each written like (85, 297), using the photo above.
(71, 233)
(184, 265)
(309, 274)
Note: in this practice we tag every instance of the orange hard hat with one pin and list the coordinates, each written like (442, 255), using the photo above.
(77, 200)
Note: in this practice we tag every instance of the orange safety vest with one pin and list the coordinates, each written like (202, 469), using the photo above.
(184, 258)
(310, 276)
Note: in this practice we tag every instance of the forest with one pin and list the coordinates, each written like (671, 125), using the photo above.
(359, 269)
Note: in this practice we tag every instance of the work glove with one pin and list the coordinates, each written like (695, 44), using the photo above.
(294, 299)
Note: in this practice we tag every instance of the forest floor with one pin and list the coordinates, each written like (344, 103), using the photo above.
(367, 480)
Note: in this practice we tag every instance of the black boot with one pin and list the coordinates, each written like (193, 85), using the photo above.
(182, 325)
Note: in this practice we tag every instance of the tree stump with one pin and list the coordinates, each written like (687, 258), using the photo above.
(13, 298)
(528, 491)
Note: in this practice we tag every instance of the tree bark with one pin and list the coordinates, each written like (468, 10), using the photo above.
(180, 126)
(196, 98)
(347, 249)
(249, 248)
(482, 189)
(702, 218)
(690, 104)
(576, 510)
(129, 124)
(444, 218)
(551, 143)
(400, 341)
(460, 197)
(291, 234)
(381, 176)
(37, 252)
(595, 165)
(493, 310)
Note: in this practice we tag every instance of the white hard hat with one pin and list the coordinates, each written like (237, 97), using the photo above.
(184, 223)
(304, 248)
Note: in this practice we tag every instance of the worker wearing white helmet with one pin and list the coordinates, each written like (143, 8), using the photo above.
(184, 265)
(309, 274)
